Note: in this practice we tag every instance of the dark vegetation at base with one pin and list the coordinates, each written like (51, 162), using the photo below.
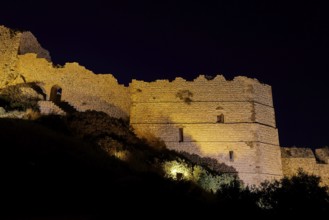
(63, 166)
(44, 172)
(111, 135)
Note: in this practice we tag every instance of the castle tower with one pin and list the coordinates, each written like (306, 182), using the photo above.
(231, 121)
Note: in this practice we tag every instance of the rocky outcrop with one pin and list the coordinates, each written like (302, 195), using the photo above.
(30, 44)
(23, 60)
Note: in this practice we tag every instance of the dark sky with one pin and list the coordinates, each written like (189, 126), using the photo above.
(285, 45)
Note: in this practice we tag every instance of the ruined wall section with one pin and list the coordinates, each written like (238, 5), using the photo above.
(80, 87)
(296, 158)
(161, 108)
(29, 44)
(9, 44)
(22, 59)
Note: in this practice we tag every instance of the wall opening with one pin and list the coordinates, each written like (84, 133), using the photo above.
(220, 118)
(55, 94)
(181, 135)
(231, 154)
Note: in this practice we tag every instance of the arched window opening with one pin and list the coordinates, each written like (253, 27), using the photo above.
(56, 94)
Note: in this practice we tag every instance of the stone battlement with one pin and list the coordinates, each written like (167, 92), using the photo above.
(202, 89)
(312, 162)
(232, 121)
(200, 78)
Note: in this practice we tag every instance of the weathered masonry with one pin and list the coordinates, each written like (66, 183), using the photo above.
(232, 121)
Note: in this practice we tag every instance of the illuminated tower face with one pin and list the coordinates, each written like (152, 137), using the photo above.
(231, 121)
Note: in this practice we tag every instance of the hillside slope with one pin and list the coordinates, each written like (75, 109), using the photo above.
(55, 166)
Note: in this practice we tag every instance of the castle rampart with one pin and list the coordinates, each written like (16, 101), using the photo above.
(23, 60)
(294, 159)
(81, 87)
(232, 121)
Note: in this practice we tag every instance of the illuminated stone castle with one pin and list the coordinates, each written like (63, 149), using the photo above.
(230, 121)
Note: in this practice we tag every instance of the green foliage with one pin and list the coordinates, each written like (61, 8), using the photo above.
(90, 161)
(207, 179)
(213, 183)
(234, 197)
(299, 193)
(233, 194)
(115, 137)
(211, 163)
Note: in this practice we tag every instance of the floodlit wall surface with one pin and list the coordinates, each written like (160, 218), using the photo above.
(294, 159)
(161, 109)
(9, 44)
(80, 87)
(23, 60)
(208, 117)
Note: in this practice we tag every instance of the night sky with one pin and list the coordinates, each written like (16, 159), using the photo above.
(285, 45)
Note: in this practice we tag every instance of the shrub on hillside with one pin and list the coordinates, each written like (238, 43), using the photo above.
(301, 192)
(21, 97)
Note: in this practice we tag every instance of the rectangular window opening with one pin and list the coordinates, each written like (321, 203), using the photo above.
(220, 118)
(181, 135)
(231, 153)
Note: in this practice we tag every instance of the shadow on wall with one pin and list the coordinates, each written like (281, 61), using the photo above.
(218, 141)
(83, 102)
(182, 142)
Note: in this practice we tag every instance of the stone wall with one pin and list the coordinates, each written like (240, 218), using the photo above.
(22, 59)
(49, 108)
(207, 112)
(158, 110)
(161, 108)
(218, 89)
(80, 87)
(296, 158)
(237, 132)
(9, 44)
(29, 44)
